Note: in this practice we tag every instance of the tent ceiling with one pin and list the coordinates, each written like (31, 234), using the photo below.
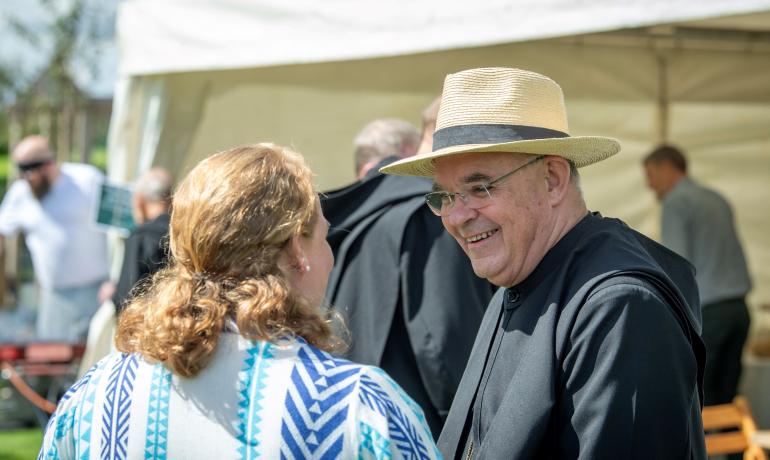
(168, 36)
(679, 37)
(759, 21)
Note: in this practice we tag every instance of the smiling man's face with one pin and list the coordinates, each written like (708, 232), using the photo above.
(503, 237)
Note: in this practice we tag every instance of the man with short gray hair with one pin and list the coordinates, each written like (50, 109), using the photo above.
(383, 138)
(146, 249)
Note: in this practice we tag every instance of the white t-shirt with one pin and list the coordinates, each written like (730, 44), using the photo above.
(67, 250)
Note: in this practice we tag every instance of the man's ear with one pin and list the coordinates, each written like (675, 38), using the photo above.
(367, 167)
(557, 178)
(138, 209)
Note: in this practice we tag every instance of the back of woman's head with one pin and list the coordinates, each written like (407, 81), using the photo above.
(236, 208)
(232, 216)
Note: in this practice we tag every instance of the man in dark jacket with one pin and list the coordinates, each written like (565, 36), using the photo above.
(409, 295)
(146, 249)
(591, 348)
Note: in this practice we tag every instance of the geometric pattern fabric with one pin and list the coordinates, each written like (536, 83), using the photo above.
(255, 400)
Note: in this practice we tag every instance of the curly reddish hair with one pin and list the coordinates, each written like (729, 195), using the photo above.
(231, 217)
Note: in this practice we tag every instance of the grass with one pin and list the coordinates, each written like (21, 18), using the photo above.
(21, 444)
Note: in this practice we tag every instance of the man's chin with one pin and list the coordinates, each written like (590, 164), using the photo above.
(40, 192)
(483, 272)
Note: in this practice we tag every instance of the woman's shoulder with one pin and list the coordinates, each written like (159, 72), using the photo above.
(112, 374)
(107, 365)
(321, 372)
(301, 368)
(316, 361)
(322, 363)
(382, 407)
(113, 367)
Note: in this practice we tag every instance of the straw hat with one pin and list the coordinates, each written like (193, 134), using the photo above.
(503, 110)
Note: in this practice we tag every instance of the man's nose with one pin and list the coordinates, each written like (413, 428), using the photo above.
(460, 213)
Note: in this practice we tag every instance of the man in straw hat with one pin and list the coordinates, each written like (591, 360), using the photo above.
(591, 347)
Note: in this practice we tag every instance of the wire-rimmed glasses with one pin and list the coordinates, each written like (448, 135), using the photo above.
(474, 196)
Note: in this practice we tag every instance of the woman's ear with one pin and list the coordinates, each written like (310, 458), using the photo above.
(293, 255)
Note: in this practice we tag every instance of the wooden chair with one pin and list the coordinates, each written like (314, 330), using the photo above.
(730, 429)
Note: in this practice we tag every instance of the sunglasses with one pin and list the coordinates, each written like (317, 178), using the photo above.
(31, 166)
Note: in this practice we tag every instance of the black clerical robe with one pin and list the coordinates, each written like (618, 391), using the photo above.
(596, 355)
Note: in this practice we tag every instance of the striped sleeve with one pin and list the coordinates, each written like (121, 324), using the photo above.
(390, 425)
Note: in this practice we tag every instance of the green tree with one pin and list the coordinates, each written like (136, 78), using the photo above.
(47, 102)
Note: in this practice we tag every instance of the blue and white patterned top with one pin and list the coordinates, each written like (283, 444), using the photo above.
(254, 400)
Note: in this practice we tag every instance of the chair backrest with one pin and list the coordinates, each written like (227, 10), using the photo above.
(729, 429)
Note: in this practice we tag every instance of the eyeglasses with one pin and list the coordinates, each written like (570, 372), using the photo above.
(474, 196)
(31, 166)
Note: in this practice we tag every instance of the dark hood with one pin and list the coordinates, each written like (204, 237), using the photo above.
(346, 207)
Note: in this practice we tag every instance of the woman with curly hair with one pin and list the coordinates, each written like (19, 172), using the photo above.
(226, 353)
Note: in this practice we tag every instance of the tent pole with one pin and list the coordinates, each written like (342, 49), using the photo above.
(662, 118)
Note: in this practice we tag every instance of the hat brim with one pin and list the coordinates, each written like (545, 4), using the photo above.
(582, 151)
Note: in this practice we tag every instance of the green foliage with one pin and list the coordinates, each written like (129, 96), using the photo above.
(99, 157)
(3, 132)
(65, 26)
(5, 165)
(70, 29)
(20, 444)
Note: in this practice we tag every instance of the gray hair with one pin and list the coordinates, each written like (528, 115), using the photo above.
(155, 185)
(574, 175)
(385, 137)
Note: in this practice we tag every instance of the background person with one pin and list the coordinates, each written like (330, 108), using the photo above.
(591, 347)
(146, 248)
(698, 224)
(52, 206)
(226, 355)
(145, 252)
(382, 138)
(408, 293)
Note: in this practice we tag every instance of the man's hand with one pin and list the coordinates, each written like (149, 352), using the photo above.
(106, 291)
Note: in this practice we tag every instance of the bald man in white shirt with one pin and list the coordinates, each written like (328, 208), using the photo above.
(52, 206)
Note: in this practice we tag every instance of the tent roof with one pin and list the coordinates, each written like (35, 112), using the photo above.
(166, 36)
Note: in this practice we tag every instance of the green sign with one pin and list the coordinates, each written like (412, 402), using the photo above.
(114, 207)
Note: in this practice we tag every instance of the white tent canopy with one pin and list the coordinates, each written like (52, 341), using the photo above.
(201, 76)
(200, 35)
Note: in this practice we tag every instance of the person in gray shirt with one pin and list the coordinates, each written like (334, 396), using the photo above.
(698, 224)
